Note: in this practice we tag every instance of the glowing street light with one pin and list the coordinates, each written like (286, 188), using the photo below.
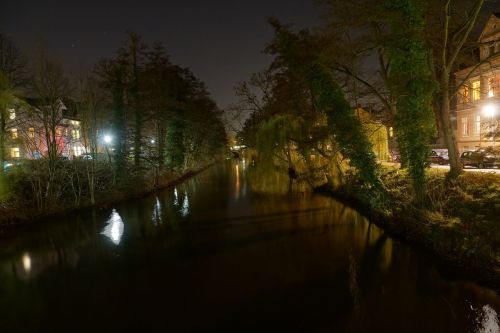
(108, 139)
(489, 110)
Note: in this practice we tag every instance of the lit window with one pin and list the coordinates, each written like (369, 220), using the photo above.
(13, 133)
(465, 126)
(14, 152)
(391, 132)
(78, 150)
(477, 125)
(476, 90)
(75, 134)
(12, 114)
(31, 133)
(491, 87)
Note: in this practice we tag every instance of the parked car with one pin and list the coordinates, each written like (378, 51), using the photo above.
(98, 157)
(439, 156)
(479, 159)
(9, 165)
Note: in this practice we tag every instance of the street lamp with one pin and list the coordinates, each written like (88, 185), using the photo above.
(108, 139)
(489, 110)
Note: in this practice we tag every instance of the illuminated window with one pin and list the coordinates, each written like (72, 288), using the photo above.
(13, 133)
(14, 152)
(465, 126)
(75, 134)
(31, 133)
(491, 87)
(12, 114)
(391, 132)
(78, 150)
(465, 94)
(476, 90)
(477, 125)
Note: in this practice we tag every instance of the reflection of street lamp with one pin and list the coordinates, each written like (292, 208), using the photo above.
(489, 110)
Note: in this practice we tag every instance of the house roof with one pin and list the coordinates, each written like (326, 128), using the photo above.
(491, 26)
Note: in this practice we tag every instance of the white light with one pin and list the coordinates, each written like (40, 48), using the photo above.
(108, 139)
(153, 141)
(185, 205)
(26, 262)
(157, 212)
(489, 110)
(176, 197)
(114, 228)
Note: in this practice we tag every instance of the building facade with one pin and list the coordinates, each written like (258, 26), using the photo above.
(27, 135)
(478, 99)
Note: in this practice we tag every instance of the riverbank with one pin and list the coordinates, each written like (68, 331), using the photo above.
(14, 216)
(459, 221)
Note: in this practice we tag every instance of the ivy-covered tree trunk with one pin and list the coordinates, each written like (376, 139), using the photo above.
(343, 123)
(412, 81)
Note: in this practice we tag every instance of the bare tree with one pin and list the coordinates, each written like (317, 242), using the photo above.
(90, 107)
(50, 87)
(455, 21)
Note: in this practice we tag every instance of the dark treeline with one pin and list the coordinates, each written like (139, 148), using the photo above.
(126, 126)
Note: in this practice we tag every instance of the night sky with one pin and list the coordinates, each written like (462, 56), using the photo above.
(220, 40)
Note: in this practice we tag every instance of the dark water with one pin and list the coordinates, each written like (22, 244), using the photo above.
(211, 256)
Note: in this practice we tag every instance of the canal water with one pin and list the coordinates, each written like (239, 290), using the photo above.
(211, 256)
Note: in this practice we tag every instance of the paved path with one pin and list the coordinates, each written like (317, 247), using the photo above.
(468, 169)
(447, 167)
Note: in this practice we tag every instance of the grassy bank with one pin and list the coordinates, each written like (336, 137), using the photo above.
(458, 221)
(21, 206)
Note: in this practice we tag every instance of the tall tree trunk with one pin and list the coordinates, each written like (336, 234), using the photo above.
(449, 135)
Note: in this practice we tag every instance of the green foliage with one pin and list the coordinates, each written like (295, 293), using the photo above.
(161, 112)
(302, 57)
(277, 133)
(413, 85)
(347, 129)
(462, 215)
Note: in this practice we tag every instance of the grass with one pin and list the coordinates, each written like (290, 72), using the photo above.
(458, 220)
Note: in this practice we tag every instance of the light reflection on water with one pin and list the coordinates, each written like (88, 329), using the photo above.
(114, 228)
(185, 205)
(176, 197)
(157, 213)
(488, 320)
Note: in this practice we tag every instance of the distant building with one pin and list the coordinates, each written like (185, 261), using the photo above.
(27, 134)
(478, 100)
